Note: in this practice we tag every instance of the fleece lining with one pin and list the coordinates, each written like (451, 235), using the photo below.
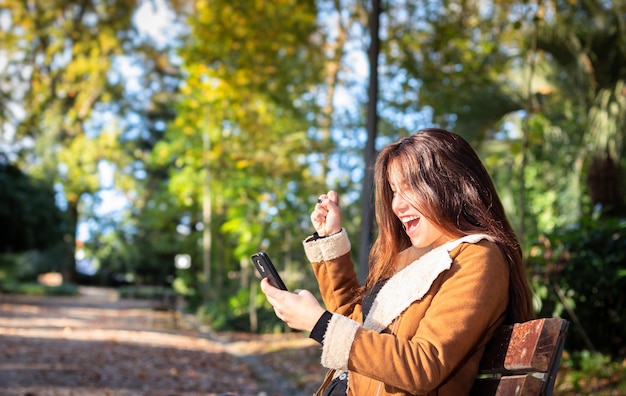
(407, 286)
(327, 248)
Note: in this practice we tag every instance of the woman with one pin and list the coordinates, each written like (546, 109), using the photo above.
(444, 272)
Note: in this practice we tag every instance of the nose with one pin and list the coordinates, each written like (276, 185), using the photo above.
(398, 203)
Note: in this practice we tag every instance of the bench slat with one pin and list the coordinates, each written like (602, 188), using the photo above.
(517, 385)
(523, 347)
(522, 359)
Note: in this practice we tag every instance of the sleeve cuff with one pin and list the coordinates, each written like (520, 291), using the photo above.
(338, 340)
(319, 331)
(328, 248)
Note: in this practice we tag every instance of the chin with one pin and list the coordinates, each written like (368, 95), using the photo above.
(419, 244)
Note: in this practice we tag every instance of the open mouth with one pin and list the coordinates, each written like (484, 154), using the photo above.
(410, 223)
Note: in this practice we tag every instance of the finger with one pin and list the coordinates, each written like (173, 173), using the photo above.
(303, 292)
(319, 215)
(322, 208)
(333, 196)
(324, 199)
(278, 315)
(317, 218)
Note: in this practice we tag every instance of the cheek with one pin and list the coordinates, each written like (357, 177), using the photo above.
(431, 230)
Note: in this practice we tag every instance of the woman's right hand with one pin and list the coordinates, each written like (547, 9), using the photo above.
(300, 309)
(326, 216)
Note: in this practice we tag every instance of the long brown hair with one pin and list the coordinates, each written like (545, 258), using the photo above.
(446, 179)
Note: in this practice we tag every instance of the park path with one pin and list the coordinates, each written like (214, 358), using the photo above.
(98, 345)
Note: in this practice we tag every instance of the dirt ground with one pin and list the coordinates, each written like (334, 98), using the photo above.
(98, 345)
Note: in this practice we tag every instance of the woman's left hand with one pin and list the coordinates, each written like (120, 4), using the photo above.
(300, 310)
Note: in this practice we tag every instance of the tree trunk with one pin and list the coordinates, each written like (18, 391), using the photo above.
(206, 220)
(605, 183)
(367, 208)
(68, 269)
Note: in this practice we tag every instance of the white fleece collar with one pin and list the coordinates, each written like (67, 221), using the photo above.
(412, 283)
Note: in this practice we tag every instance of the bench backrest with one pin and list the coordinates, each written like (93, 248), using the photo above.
(522, 359)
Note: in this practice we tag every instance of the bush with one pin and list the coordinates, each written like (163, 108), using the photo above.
(37, 289)
(590, 373)
(233, 314)
(29, 215)
(580, 274)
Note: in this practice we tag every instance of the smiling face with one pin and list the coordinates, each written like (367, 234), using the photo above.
(421, 231)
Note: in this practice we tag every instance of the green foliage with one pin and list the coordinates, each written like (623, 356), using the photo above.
(239, 143)
(546, 80)
(581, 277)
(29, 216)
(455, 61)
(182, 286)
(591, 373)
(26, 266)
(37, 289)
(260, 46)
(550, 198)
(186, 286)
(65, 97)
(233, 313)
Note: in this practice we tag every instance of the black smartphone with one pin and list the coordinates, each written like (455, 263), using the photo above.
(266, 268)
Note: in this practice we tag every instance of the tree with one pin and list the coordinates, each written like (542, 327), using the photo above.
(586, 42)
(537, 84)
(448, 60)
(29, 216)
(59, 57)
(67, 106)
(238, 145)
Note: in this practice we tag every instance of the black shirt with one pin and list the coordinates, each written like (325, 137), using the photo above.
(339, 385)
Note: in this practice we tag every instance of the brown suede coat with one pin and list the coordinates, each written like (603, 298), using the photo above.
(427, 329)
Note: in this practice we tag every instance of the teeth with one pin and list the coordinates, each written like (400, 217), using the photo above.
(407, 219)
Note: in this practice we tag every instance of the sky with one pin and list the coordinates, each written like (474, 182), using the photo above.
(153, 19)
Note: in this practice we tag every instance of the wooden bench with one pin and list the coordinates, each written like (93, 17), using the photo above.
(166, 300)
(522, 359)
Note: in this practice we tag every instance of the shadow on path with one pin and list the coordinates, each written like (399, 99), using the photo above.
(97, 345)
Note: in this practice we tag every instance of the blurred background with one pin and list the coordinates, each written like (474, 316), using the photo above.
(152, 146)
